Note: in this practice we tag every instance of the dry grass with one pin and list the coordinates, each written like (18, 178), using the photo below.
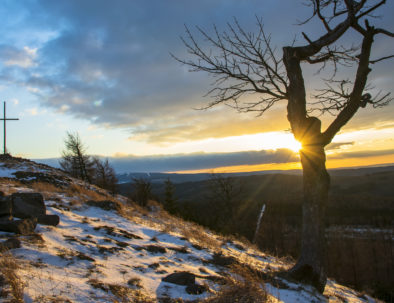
(196, 234)
(159, 218)
(199, 235)
(248, 287)
(87, 193)
(8, 270)
(120, 293)
(9, 186)
(46, 189)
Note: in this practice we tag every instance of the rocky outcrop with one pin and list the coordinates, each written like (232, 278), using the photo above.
(31, 205)
(23, 227)
(180, 278)
(48, 220)
(5, 208)
(27, 205)
(187, 279)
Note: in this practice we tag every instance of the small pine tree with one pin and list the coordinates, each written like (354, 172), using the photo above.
(75, 161)
(169, 196)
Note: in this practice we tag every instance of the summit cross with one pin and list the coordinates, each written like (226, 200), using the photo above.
(5, 129)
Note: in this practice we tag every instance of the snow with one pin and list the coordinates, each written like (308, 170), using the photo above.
(7, 172)
(93, 249)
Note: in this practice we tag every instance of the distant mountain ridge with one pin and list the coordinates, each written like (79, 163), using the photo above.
(157, 177)
(126, 173)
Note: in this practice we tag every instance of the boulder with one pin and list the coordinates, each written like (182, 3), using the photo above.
(220, 259)
(5, 207)
(9, 244)
(27, 205)
(24, 227)
(48, 220)
(180, 278)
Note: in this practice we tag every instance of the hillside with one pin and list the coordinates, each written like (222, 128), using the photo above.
(107, 249)
(359, 219)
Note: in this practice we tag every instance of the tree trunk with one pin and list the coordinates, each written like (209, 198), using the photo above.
(310, 267)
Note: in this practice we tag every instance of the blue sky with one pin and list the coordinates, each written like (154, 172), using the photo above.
(103, 69)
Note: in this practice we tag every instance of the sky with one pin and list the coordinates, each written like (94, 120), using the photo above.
(104, 69)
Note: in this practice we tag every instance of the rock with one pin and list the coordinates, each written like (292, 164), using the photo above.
(10, 244)
(5, 218)
(5, 207)
(196, 289)
(155, 249)
(48, 220)
(220, 259)
(27, 205)
(54, 179)
(24, 227)
(180, 278)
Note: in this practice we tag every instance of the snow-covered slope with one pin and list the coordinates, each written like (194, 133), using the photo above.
(109, 250)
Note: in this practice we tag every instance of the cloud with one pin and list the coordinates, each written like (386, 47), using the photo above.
(20, 57)
(109, 63)
(162, 163)
(338, 145)
(362, 154)
(32, 111)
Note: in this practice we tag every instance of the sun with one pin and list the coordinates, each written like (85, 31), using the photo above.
(276, 140)
(294, 145)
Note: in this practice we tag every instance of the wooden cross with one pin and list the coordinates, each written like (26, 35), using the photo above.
(5, 129)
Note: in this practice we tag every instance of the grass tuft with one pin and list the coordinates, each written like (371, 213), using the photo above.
(13, 285)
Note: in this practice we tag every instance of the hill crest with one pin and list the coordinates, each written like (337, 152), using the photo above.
(108, 249)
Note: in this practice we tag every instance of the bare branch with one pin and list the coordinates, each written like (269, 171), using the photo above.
(384, 32)
(245, 64)
(322, 19)
(356, 97)
(381, 59)
(371, 9)
(242, 63)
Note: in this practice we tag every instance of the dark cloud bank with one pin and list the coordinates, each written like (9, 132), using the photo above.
(198, 161)
(164, 163)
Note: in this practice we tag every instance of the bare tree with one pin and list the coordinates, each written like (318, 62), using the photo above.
(245, 63)
(75, 161)
(224, 196)
(142, 191)
(104, 175)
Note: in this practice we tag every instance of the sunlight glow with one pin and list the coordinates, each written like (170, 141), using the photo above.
(275, 140)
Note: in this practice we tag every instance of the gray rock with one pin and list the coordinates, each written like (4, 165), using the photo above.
(48, 220)
(23, 227)
(27, 205)
(180, 278)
